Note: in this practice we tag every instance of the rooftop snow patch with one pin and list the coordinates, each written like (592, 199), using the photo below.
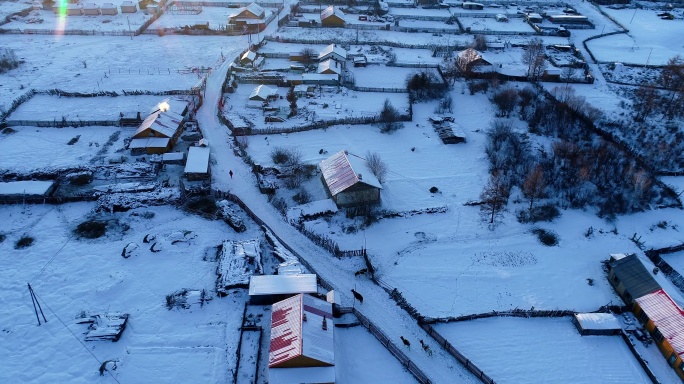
(27, 187)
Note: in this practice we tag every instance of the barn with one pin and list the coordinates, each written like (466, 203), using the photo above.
(158, 133)
(332, 17)
(629, 277)
(664, 319)
(597, 324)
(349, 181)
(267, 289)
(302, 341)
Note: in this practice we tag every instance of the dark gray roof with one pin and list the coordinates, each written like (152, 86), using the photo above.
(636, 279)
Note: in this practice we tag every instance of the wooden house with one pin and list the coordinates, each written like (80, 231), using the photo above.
(332, 17)
(75, 10)
(250, 17)
(302, 341)
(329, 67)
(158, 133)
(108, 9)
(470, 60)
(263, 93)
(630, 278)
(129, 7)
(248, 58)
(664, 319)
(348, 180)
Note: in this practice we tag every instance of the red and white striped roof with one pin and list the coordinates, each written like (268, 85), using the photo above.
(667, 316)
(342, 170)
(297, 330)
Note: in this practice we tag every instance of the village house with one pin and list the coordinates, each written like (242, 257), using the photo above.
(268, 289)
(250, 17)
(128, 7)
(75, 9)
(197, 164)
(329, 67)
(302, 345)
(333, 51)
(348, 180)
(332, 17)
(470, 60)
(108, 9)
(263, 93)
(248, 58)
(91, 9)
(157, 134)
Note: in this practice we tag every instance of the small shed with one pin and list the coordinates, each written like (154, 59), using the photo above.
(320, 79)
(75, 10)
(360, 61)
(91, 9)
(108, 9)
(534, 18)
(349, 181)
(332, 17)
(597, 324)
(501, 18)
(129, 7)
(149, 145)
(14, 189)
(262, 93)
(268, 289)
(197, 165)
(470, 5)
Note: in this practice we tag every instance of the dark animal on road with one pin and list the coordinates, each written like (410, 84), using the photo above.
(406, 342)
(426, 347)
(357, 296)
(361, 272)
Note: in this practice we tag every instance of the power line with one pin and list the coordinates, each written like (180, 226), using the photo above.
(76, 337)
(51, 259)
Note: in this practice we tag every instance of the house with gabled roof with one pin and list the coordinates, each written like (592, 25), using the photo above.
(470, 60)
(262, 93)
(250, 17)
(332, 17)
(329, 67)
(333, 51)
(629, 277)
(302, 341)
(348, 180)
(248, 58)
(158, 133)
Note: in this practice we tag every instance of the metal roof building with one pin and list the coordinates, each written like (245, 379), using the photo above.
(301, 337)
(597, 324)
(349, 180)
(630, 278)
(271, 288)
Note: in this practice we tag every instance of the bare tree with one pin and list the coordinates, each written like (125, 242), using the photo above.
(535, 59)
(494, 196)
(479, 42)
(534, 185)
(505, 100)
(377, 166)
(308, 55)
(672, 78)
(389, 118)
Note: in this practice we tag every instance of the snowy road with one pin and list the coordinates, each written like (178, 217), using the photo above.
(377, 306)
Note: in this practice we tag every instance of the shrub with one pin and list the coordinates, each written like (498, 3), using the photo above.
(74, 140)
(478, 86)
(8, 131)
(546, 237)
(91, 229)
(203, 205)
(286, 156)
(302, 197)
(546, 212)
(8, 60)
(434, 189)
(2, 237)
(25, 242)
(279, 204)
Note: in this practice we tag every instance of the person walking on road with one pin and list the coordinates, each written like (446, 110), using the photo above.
(230, 173)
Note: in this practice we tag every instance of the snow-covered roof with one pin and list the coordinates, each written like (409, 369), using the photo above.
(108, 6)
(329, 64)
(667, 316)
(332, 49)
(302, 327)
(331, 10)
(26, 187)
(254, 8)
(166, 123)
(249, 55)
(594, 321)
(198, 160)
(127, 4)
(280, 285)
(301, 88)
(91, 6)
(342, 170)
(149, 142)
(301, 375)
(262, 92)
(74, 6)
(319, 77)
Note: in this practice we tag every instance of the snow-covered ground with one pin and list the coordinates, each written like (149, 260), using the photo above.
(554, 351)
(478, 24)
(51, 21)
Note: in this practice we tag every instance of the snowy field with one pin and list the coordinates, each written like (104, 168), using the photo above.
(49, 108)
(513, 350)
(477, 24)
(51, 21)
(375, 76)
(49, 148)
(676, 261)
(10, 6)
(418, 24)
(650, 39)
(217, 17)
(103, 63)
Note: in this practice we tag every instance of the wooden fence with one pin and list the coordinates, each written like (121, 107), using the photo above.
(673, 275)
(393, 348)
(302, 128)
(639, 358)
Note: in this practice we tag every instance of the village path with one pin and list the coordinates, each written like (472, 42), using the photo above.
(378, 307)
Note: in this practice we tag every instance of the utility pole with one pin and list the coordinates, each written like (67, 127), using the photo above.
(130, 33)
(36, 305)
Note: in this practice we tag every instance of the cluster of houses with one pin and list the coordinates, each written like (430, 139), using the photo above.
(650, 303)
(93, 9)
